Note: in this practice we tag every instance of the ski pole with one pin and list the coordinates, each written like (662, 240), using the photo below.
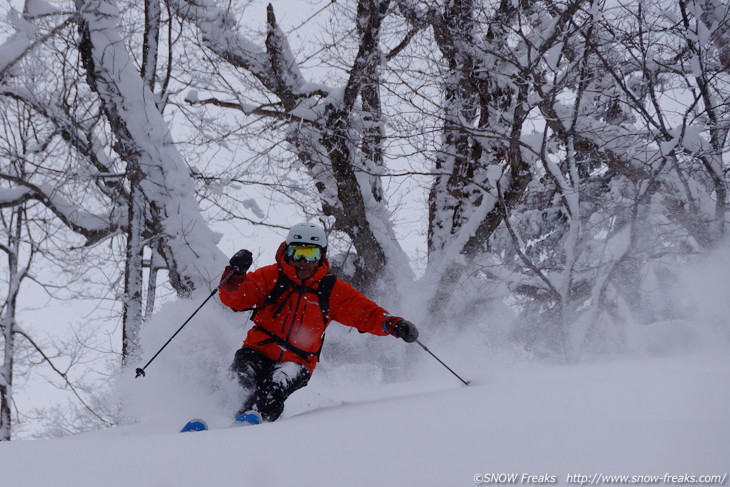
(466, 383)
(140, 370)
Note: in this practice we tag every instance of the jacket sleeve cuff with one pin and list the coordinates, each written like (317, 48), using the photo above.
(389, 324)
(230, 282)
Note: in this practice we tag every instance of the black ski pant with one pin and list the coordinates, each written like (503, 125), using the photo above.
(267, 382)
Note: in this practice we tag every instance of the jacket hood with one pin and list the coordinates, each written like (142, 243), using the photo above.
(291, 271)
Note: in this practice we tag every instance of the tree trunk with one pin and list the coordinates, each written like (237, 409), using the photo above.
(8, 321)
(133, 273)
(144, 142)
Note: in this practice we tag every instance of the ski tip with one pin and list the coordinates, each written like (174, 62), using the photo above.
(194, 425)
(249, 418)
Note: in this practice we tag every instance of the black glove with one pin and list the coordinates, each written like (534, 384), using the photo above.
(241, 261)
(401, 328)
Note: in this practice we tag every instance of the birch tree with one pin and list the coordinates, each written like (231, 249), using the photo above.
(140, 183)
(26, 232)
(16, 273)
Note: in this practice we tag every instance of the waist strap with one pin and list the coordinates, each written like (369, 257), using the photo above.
(273, 338)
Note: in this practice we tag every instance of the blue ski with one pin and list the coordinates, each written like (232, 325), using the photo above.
(195, 425)
(246, 419)
(249, 417)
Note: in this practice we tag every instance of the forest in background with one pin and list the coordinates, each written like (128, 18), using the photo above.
(558, 161)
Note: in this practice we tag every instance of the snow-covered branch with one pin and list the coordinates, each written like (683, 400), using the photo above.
(145, 143)
(327, 145)
(93, 227)
(25, 39)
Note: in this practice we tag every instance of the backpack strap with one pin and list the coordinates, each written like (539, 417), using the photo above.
(323, 294)
(284, 285)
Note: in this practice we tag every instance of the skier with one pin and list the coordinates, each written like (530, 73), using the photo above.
(295, 300)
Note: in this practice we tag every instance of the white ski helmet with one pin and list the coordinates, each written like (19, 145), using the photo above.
(308, 233)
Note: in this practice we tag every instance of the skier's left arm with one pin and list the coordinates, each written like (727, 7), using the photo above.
(350, 307)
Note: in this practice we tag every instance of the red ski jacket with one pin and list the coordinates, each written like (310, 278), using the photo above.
(292, 329)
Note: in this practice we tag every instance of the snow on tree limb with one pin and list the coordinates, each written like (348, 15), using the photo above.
(145, 143)
(23, 41)
(219, 33)
(93, 227)
(326, 147)
(284, 66)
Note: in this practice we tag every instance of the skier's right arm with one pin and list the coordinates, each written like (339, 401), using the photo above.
(244, 291)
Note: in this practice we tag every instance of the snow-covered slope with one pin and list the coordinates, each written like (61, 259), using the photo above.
(636, 416)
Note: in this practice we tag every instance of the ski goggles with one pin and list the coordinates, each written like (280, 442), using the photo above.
(304, 252)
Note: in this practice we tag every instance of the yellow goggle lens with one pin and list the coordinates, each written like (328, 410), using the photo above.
(307, 253)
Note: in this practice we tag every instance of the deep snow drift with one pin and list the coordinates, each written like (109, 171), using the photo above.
(635, 416)
(658, 408)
